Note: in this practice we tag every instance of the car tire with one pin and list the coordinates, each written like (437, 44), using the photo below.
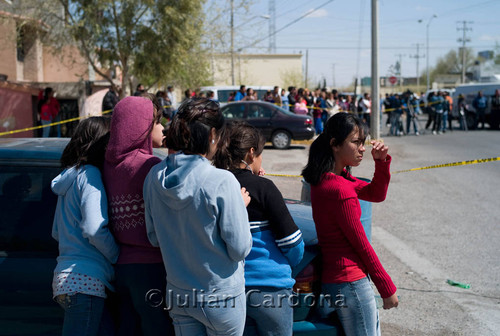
(281, 139)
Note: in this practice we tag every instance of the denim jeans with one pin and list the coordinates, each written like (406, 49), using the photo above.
(46, 130)
(395, 122)
(269, 309)
(444, 122)
(355, 306)
(411, 120)
(141, 294)
(82, 314)
(225, 317)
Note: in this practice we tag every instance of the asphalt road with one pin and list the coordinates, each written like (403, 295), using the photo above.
(435, 224)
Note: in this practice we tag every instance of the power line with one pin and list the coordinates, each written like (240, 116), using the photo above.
(287, 25)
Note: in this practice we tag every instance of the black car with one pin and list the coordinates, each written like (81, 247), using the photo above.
(28, 252)
(278, 125)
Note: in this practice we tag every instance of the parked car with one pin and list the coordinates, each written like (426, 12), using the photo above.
(470, 92)
(278, 125)
(28, 252)
(221, 93)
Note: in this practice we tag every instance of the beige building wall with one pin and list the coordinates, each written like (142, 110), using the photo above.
(67, 65)
(8, 49)
(256, 69)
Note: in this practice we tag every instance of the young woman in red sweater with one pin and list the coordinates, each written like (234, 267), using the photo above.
(348, 257)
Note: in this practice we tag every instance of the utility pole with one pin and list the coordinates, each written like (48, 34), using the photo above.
(272, 27)
(464, 40)
(400, 56)
(375, 114)
(232, 42)
(417, 56)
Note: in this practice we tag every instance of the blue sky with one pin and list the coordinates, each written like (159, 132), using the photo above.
(338, 36)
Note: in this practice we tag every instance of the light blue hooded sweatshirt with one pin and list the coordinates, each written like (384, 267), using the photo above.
(86, 245)
(196, 215)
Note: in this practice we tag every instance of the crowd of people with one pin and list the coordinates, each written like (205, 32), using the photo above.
(200, 230)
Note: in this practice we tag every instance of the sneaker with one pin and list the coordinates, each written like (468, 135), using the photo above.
(434, 132)
(440, 132)
(417, 134)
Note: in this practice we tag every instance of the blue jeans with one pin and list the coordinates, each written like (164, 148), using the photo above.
(225, 317)
(82, 314)
(395, 122)
(141, 293)
(269, 310)
(46, 130)
(318, 125)
(355, 306)
(444, 122)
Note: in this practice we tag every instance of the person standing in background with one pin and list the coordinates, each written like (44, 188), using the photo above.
(139, 90)
(241, 93)
(48, 109)
(292, 98)
(171, 97)
(284, 99)
(480, 103)
(111, 98)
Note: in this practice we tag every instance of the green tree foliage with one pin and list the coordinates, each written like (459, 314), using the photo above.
(151, 40)
(451, 63)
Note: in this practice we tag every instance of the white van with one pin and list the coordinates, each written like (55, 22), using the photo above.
(222, 92)
(470, 91)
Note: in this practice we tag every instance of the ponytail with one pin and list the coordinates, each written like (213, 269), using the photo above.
(236, 141)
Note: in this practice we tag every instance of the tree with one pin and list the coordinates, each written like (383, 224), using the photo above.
(147, 39)
(451, 63)
(152, 41)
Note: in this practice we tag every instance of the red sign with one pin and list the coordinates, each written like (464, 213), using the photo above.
(393, 80)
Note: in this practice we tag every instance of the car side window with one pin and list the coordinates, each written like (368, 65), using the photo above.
(233, 111)
(27, 205)
(260, 111)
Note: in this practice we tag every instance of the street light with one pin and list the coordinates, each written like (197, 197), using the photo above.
(427, 47)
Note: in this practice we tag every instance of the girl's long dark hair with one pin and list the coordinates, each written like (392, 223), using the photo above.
(236, 141)
(321, 158)
(190, 128)
(88, 143)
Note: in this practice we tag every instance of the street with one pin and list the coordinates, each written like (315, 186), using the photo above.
(436, 224)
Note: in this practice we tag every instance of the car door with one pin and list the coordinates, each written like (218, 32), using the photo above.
(27, 250)
(261, 116)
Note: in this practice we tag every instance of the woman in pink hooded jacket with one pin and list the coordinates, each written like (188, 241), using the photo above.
(139, 272)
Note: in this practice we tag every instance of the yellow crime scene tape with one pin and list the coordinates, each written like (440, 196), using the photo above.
(48, 125)
(452, 164)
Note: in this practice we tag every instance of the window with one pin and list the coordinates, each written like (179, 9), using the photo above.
(233, 111)
(259, 111)
(27, 206)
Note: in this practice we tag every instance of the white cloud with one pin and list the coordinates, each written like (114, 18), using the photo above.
(489, 38)
(317, 14)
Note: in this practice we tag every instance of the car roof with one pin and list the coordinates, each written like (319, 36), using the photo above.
(43, 149)
(32, 148)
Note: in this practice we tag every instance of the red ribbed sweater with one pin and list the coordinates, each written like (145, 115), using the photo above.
(347, 254)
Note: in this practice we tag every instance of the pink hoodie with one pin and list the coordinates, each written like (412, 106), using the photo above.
(129, 157)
